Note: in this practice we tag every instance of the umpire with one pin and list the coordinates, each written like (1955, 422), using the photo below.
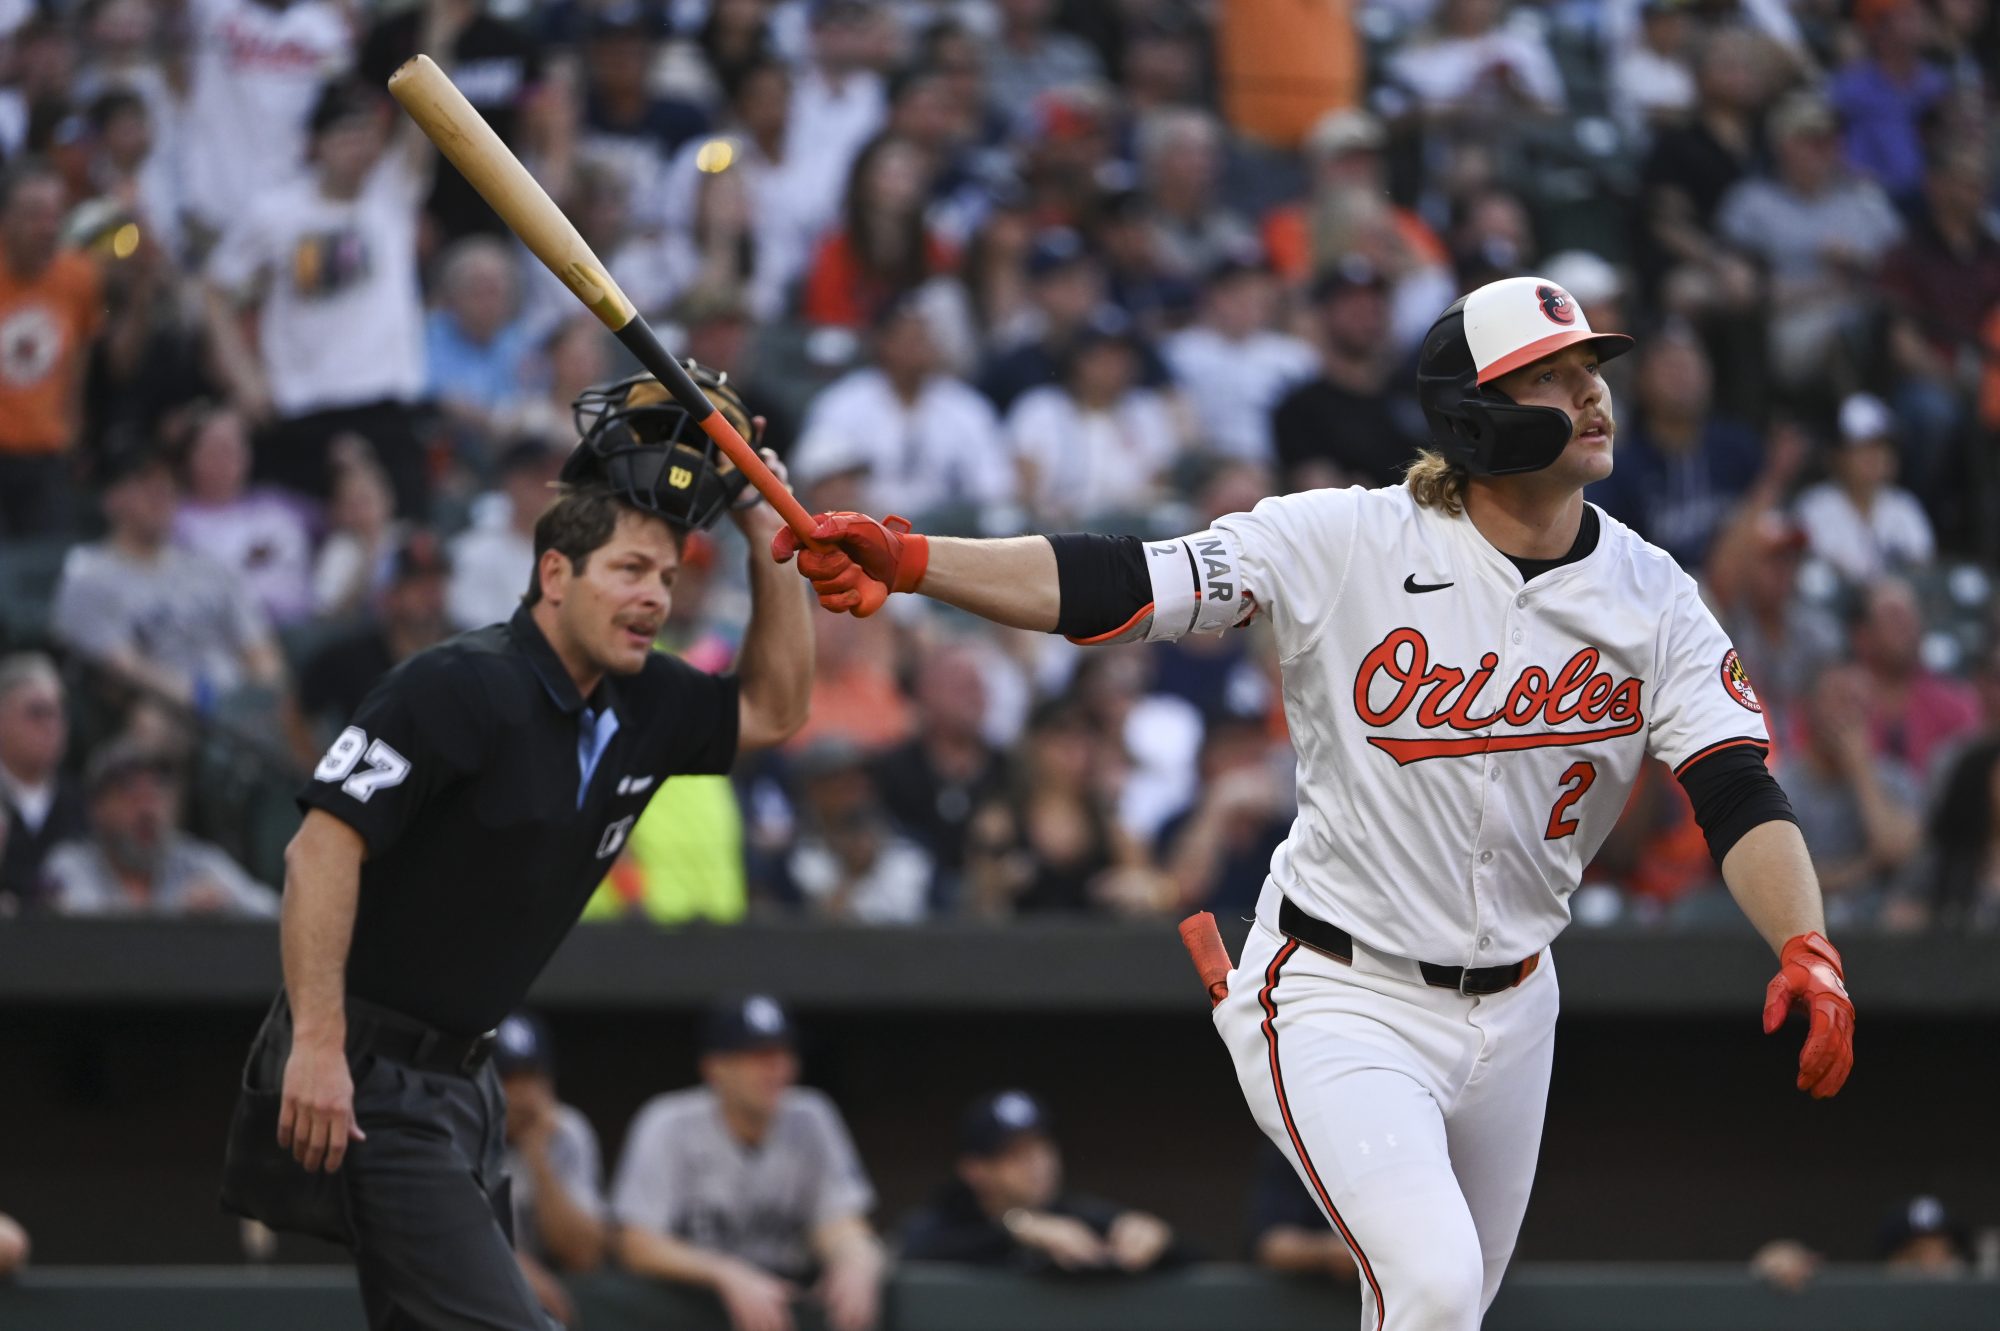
(451, 837)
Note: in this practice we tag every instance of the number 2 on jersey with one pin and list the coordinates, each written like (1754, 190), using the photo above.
(1582, 775)
(386, 767)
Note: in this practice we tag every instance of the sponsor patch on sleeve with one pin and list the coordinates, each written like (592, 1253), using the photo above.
(1737, 680)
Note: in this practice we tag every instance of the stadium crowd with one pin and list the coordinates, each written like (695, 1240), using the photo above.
(280, 399)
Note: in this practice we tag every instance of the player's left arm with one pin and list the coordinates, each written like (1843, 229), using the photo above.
(1707, 720)
(854, 1263)
(774, 670)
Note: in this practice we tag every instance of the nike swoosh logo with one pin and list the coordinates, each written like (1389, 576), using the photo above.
(1410, 584)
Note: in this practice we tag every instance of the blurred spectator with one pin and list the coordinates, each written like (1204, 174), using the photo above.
(476, 348)
(1349, 214)
(735, 35)
(1136, 276)
(855, 694)
(1054, 844)
(778, 209)
(1064, 150)
(1358, 423)
(498, 67)
(1493, 238)
(1656, 857)
(883, 250)
(933, 782)
(1032, 57)
(900, 435)
(1064, 289)
(1218, 850)
(1180, 163)
(410, 617)
(1915, 713)
(557, 1173)
(1858, 809)
(1471, 66)
(40, 804)
(1097, 441)
(262, 534)
(1680, 467)
(1007, 1206)
(749, 1185)
(923, 112)
(49, 315)
(1817, 232)
(328, 263)
(1692, 167)
(157, 616)
(129, 167)
(848, 861)
(1753, 585)
(133, 860)
(255, 70)
(1859, 520)
(492, 560)
(1233, 365)
(1940, 285)
(838, 106)
(1651, 83)
(572, 355)
(1920, 1239)
(1281, 66)
(356, 560)
(629, 128)
(1288, 1232)
(1886, 95)
(1956, 882)
(14, 1246)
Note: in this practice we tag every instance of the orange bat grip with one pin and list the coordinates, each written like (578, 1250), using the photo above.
(1211, 957)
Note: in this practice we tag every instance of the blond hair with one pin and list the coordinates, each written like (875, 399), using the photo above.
(1437, 482)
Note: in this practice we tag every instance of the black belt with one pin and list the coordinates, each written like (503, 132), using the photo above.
(391, 1035)
(1337, 943)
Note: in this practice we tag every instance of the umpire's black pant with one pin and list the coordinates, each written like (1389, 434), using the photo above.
(422, 1203)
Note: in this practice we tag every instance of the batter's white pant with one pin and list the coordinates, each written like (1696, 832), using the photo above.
(1412, 1113)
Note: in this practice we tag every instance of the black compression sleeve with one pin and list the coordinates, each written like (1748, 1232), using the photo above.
(1732, 791)
(1103, 583)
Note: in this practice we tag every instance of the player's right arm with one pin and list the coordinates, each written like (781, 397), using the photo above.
(322, 890)
(418, 731)
(1287, 555)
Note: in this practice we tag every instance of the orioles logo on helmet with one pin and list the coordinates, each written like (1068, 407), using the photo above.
(1556, 304)
(643, 445)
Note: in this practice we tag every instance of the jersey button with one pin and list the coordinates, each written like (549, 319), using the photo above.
(1485, 941)
(1521, 600)
(1517, 635)
(1486, 857)
(1494, 775)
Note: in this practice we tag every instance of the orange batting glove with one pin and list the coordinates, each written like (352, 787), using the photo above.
(861, 560)
(1809, 973)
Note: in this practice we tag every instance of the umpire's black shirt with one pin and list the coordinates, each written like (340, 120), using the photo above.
(462, 771)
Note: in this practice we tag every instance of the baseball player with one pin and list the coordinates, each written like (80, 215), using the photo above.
(1475, 663)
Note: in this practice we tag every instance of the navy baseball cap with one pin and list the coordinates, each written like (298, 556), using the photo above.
(1917, 1218)
(753, 1022)
(994, 1122)
(1055, 249)
(521, 1044)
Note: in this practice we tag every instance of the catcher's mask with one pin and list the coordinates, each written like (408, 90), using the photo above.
(1499, 328)
(645, 447)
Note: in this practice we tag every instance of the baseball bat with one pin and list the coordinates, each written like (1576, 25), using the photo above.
(1211, 956)
(470, 144)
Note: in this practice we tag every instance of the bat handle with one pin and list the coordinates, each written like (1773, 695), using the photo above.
(640, 341)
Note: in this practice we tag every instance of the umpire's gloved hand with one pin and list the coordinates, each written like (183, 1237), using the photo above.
(859, 560)
(1810, 973)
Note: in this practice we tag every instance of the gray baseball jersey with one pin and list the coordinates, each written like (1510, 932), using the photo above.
(578, 1165)
(685, 1175)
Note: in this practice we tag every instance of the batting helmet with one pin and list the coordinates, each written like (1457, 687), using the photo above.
(1498, 328)
(642, 444)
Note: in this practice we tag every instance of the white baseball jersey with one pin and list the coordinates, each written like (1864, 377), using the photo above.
(1465, 742)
